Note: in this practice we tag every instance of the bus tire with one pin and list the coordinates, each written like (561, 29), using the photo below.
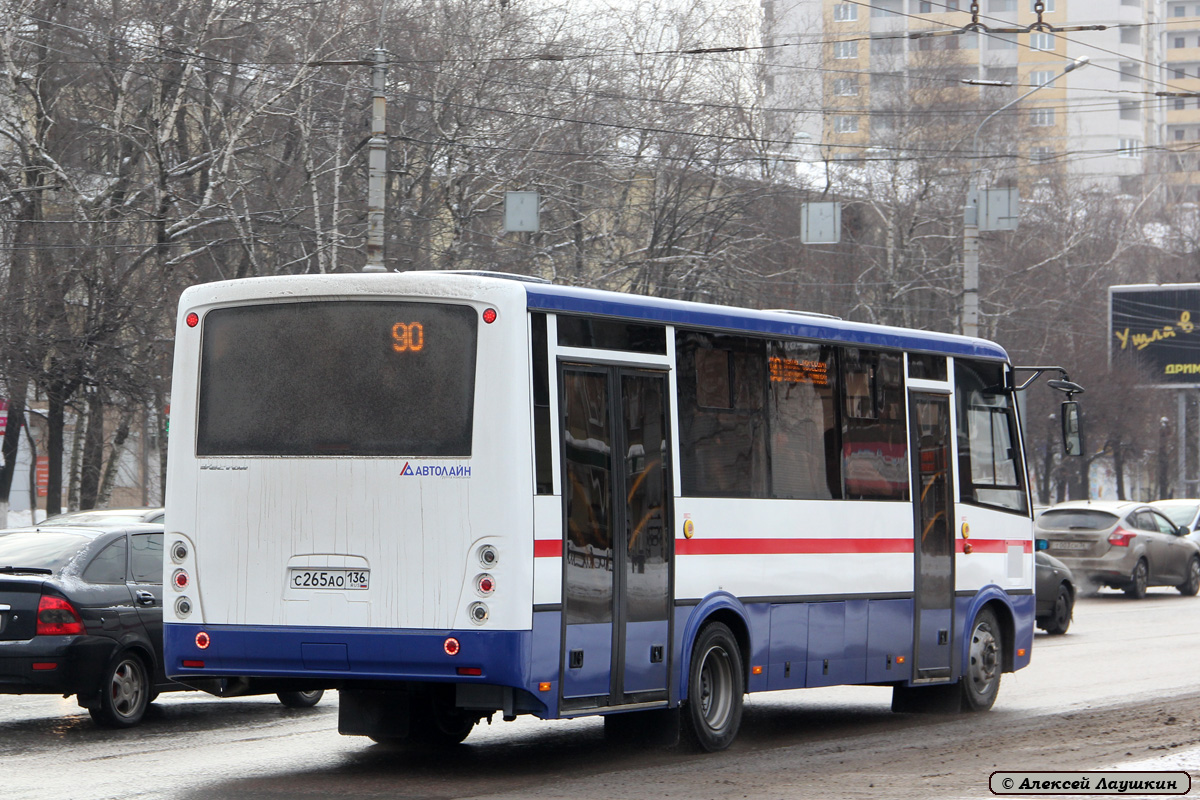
(985, 663)
(436, 723)
(716, 683)
(300, 699)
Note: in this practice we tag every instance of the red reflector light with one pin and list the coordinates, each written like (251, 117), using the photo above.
(470, 670)
(192, 319)
(1121, 538)
(203, 640)
(193, 664)
(489, 316)
(42, 666)
(451, 646)
(57, 617)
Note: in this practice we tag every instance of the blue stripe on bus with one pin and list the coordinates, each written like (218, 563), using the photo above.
(855, 641)
(677, 312)
(346, 653)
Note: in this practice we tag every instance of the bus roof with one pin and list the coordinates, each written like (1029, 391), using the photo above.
(597, 302)
(575, 300)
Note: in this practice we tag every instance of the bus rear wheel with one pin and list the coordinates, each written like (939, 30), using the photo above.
(716, 683)
(435, 722)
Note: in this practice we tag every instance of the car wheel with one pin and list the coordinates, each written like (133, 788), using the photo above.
(124, 693)
(985, 662)
(1191, 586)
(1060, 618)
(1139, 580)
(715, 687)
(301, 699)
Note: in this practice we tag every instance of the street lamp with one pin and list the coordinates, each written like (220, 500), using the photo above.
(970, 305)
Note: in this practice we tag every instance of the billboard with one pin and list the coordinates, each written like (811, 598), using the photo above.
(1159, 324)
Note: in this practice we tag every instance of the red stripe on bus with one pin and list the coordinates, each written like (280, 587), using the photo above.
(547, 548)
(994, 545)
(729, 547)
(552, 548)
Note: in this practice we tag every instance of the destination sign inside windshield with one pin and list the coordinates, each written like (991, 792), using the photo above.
(408, 337)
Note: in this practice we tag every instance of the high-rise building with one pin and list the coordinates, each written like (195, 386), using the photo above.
(848, 79)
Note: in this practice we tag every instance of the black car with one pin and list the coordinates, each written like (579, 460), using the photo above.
(1055, 590)
(81, 614)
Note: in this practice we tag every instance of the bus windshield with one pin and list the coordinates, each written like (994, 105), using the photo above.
(329, 378)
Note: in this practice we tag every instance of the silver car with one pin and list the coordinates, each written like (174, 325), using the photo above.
(1129, 546)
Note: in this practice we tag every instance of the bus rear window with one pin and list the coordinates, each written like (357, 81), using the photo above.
(328, 378)
(1076, 520)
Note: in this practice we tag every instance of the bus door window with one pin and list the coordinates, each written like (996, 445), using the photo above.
(933, 545)
(990, 469)
(588, 444)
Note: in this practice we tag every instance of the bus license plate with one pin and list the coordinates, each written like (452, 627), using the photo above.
(309, 578)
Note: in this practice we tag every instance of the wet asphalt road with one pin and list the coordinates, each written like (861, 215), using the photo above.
(195, 746)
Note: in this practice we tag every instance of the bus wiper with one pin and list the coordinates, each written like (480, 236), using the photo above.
(26, 570)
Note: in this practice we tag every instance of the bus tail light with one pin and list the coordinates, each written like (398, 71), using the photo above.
(488, 556)
(180, 580)
(485, 584)
(478, 613)
(1121, 537)
(451, 646)
(57, 617)
(203, 640)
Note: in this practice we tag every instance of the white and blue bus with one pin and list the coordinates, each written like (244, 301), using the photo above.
(449, 495)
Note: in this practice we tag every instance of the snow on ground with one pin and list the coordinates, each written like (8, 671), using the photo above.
(17, 519)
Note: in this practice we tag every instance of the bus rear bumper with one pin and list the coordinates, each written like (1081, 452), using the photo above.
(329, 657)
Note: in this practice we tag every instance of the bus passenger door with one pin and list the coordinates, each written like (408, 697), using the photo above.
(617, 564)
(933, 541)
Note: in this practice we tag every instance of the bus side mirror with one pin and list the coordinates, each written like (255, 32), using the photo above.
(1071, 432)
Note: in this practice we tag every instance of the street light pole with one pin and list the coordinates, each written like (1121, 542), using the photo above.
(970, 273)
(377, 164)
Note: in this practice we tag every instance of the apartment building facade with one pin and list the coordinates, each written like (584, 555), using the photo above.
(841, 74)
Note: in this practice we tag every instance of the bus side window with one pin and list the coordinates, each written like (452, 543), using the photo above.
(805, 462)
(874, 433)
(722, 383)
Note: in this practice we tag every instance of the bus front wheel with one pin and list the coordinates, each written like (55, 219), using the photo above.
(716, 683)
(985, 662)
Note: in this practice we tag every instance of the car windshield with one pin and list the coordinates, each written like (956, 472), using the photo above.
(1076, 519)
(40, 550)
(1180, 515)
